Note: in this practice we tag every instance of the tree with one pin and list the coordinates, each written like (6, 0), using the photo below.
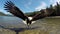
(57, 9)
(50, 11)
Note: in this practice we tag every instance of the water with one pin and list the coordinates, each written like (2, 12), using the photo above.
(10, 21)
(49, 25)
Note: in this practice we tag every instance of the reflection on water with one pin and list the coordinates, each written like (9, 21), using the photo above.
(10, 21)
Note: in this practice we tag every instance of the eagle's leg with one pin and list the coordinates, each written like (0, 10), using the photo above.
(28, 26)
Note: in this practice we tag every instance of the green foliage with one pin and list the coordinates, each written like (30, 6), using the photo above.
(57, 9)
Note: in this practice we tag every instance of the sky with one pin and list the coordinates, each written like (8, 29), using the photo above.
(29, 5)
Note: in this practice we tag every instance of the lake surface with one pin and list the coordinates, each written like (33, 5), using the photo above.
(10, 21)
(7, 19)
(47, 25)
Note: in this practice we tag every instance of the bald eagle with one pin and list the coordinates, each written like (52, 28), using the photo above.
(10, 7)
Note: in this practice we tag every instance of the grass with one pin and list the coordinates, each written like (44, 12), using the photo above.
(46, 26)
(34, 32)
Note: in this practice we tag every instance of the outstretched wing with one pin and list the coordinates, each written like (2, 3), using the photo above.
(40, 15)
(10, 7)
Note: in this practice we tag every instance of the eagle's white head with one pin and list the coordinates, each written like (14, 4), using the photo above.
(30, 18)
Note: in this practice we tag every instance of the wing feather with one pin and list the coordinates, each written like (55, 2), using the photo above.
(39, 16)
(9, 6)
